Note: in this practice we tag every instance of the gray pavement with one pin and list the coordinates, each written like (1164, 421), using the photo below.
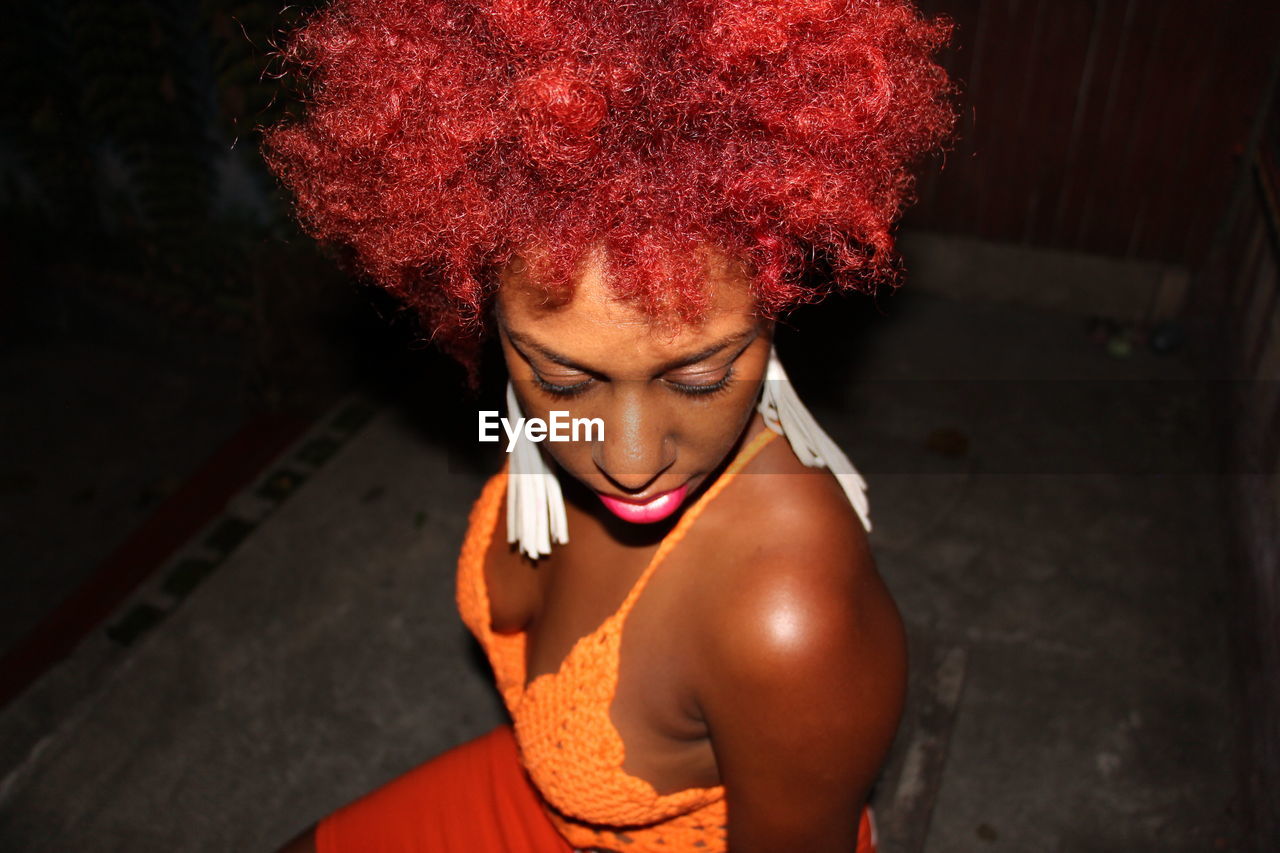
(1047, 516)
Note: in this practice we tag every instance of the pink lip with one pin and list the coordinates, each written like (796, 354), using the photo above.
(654, 509)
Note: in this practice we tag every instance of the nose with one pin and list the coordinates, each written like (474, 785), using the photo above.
(636, 447)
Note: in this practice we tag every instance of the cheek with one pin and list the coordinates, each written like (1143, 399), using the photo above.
(710, 430)
(574, 456)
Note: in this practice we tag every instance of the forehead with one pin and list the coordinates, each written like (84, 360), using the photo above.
(596, 323)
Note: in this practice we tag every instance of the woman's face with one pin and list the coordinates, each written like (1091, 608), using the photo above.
(673, 402)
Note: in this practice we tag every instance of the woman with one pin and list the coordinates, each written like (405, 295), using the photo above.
(629, 195)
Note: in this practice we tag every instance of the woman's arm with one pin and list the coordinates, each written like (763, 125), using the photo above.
(802, 688)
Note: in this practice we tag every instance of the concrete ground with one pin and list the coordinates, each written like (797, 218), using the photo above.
(1046, 513)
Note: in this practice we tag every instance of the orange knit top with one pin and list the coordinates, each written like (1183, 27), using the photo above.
(568, 742)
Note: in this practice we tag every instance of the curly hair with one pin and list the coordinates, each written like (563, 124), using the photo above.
(441, 138)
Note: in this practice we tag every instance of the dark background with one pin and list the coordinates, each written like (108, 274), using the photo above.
(159, 309)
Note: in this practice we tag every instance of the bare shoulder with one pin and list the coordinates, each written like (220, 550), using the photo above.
(802, 659)
(786, 532)
(793, 554)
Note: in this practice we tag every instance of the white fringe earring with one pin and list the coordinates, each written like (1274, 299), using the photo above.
(785, 414)
(535, 505)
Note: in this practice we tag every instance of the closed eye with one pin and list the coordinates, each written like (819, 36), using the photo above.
(558, 390)
(698, 389)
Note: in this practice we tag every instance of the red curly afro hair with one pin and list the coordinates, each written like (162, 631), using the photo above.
(443, 137)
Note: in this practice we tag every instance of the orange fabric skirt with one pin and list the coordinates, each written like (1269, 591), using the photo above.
(475, 798)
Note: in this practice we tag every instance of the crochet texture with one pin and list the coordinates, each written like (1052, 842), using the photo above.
(568, 742)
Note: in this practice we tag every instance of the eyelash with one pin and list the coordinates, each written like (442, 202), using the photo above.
(705, 390)
(567, 391)
(564, 391)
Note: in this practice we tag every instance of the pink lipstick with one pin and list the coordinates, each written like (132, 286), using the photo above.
(654, 509)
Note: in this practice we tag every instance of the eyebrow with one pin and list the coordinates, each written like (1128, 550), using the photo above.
(546, 352)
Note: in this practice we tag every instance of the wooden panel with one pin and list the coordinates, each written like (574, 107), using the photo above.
(1247, 52)
(1241, 280)
(956, 59)
(1253, 320)
(1107, 126)
(1051, 103)
(1252, 241)
(949, 182)
(1151, 146)
(1087, 149)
